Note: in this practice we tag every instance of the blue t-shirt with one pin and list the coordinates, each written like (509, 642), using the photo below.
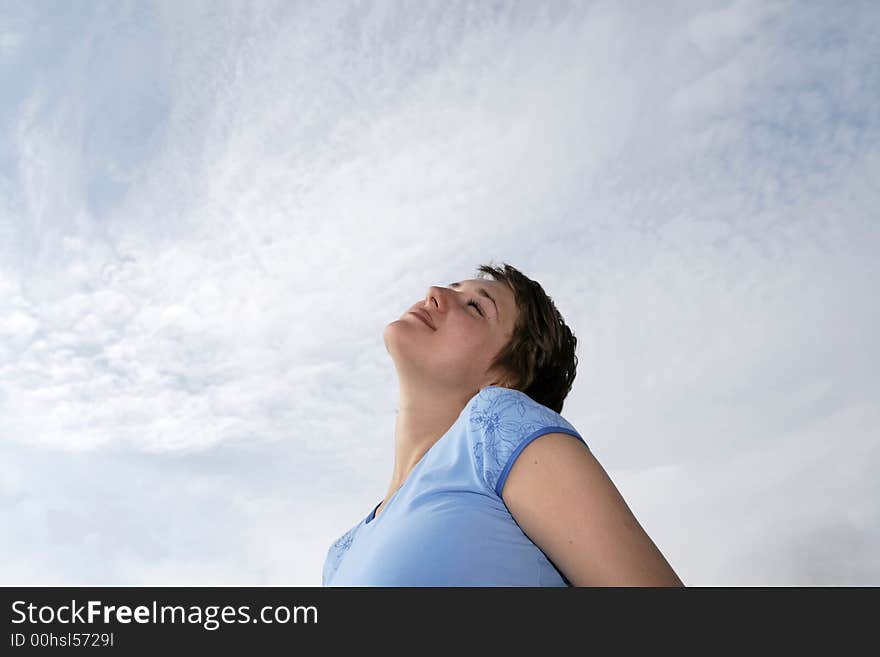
(448, 525)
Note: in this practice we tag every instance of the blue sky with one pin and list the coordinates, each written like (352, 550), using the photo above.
(209, 211)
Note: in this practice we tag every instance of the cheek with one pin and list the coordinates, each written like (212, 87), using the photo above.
(471, 345)
(456, 338)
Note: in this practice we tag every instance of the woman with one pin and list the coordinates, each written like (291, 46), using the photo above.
(491, 486)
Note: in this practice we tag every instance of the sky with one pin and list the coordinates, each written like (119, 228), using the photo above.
(209, 211)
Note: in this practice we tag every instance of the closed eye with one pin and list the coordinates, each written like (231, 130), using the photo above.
(475, 305)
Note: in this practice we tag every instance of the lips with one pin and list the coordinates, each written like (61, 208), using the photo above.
(422, 315)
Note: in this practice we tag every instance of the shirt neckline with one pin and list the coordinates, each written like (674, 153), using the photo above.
(372, 515)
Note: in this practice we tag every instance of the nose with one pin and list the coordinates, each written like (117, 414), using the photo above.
(434, 296)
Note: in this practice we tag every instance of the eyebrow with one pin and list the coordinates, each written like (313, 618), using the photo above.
(482, 292)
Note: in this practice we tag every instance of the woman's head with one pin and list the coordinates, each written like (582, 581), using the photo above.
(505, 331)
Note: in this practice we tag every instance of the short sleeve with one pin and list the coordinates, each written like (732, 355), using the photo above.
(503, 422)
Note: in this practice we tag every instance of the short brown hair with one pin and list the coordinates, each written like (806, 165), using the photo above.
(539, 358)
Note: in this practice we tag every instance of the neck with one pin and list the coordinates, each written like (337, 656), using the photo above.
(422, 419)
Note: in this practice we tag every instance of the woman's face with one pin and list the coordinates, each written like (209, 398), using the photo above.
(468, 329)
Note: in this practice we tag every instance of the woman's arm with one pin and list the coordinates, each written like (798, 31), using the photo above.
(566, 503)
